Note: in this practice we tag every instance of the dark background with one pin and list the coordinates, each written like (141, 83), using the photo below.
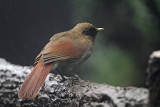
(132, 32)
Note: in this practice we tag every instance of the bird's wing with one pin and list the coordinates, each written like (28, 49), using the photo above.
(53, 38)
(56, 51)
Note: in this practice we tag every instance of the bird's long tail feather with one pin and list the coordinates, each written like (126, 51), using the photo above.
(34, 81)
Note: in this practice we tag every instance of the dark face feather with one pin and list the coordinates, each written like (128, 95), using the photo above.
(87, 29)
(90, 31)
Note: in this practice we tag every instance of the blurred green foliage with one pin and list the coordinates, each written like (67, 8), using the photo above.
(122, 50)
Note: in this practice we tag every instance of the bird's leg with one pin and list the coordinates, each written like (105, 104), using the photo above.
(71, 74)
(62, 76)
(68, 74)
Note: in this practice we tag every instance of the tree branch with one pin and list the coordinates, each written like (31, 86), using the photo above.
(70, 93)
(153, 79)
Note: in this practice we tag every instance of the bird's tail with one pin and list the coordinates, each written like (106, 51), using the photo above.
(34, 81)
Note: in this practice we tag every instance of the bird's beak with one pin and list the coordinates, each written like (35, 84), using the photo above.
(99, 29)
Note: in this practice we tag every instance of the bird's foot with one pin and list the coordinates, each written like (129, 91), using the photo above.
(63, 78)
(76, 77)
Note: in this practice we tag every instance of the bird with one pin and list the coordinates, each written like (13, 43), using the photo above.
(64, 52)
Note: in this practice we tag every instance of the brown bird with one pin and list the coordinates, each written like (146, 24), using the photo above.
(64, 52)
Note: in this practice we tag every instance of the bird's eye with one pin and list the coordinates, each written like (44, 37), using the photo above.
(90, 31)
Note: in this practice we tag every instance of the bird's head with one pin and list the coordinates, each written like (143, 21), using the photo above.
(87, 29)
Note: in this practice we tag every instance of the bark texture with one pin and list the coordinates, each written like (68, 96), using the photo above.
(69, 93)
